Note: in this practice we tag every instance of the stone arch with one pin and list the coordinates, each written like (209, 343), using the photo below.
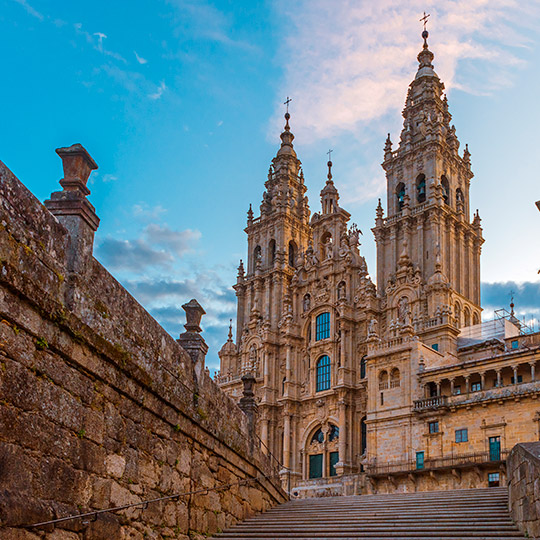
(445, 189)
(271, 252)
(476, 318)
(341, 290)
(466, 316)
(326, 246)
(292, 253)
(457, 314)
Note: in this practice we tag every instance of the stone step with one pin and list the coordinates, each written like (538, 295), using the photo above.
(459, 515)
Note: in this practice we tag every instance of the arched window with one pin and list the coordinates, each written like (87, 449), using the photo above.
(292, 253)
(421, 188)
(457, 314)
(466, 317)
(323, 374)
(363, 434)
(363, 368)
(334, 433)
(323, 455)
(322, 326)
(383, 380)
(271, 252)
(476, 318)
(446, 189)
(400, 194)
(395, 379)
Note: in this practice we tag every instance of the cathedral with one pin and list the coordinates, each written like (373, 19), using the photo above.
(393, 386)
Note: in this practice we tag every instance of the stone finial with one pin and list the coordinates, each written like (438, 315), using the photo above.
(194, 313)
(247, 402)
(77, 164)
(191, 340)
(72, 208)
(250, 216)
(388, 148)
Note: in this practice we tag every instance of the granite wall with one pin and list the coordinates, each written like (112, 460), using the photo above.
(523, 471)
(99, 406)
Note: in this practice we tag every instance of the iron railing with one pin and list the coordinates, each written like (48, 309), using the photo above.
(459, 461)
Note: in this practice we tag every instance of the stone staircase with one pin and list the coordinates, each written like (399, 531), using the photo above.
(481, 514)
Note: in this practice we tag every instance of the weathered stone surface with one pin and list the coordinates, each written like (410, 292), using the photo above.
(99, 406)
(523, 470)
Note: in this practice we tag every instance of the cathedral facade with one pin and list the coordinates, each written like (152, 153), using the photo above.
(399, 386)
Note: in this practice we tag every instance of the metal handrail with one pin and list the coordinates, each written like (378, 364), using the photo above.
(144, 504)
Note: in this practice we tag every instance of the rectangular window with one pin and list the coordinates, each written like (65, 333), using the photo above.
(435, 346)
(382, 398)
(520, 379)
(515, 344)
(494, 479)
(476, 387)
(315, 466)
(322, 326)
(457, 390)
(419, 460)
(334, 458)
(462, 435)
(434, 427)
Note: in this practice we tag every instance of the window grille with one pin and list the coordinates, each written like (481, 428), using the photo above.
(323, 373)
(322, 326)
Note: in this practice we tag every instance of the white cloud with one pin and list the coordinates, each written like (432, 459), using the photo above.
(348, 62)
(101, 36)
(159, 91)
(30, 10)
(140, 59)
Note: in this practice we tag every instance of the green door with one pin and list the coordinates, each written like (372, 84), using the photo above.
(334, 458)
(494, 448)
(419, 460)
(315, 466)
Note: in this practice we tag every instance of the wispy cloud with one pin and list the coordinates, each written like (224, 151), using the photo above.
(159, 91)
(145, 212)
(349, 62)
(157, 246)
(140, 59)
(30, 10)
(100, 37)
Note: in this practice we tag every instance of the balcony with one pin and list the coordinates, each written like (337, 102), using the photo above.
(429, 403)
(462, 461)
(498, 393)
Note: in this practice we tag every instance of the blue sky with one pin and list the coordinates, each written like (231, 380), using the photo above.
(180, 104)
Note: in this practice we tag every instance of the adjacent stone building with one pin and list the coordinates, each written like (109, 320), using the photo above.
(397, 386)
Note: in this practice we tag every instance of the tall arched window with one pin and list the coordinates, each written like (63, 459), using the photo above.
(446, 189)
(363, 368)
(395, 379)
(400, 194)
(363, 434)
(466, 317)
(476, 318)
(292, 253)
(323, 373)
(271, 252)
(421, 188)
(383, 380)
(322, 326)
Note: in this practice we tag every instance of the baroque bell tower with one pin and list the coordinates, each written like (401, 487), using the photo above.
(428, 249)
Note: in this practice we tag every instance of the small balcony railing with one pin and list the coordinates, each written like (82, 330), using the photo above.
(430, 403)
(444, 462)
